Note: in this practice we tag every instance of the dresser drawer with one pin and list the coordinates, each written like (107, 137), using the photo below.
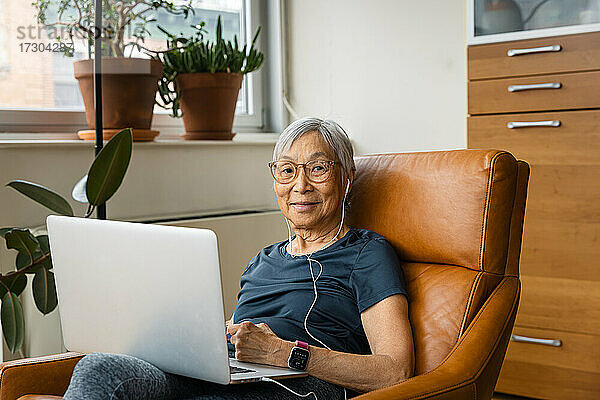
(570, 371)
(562, 216)
(560, 304)
(572, 137)
(560, 234)
(577, 53)
(539, 93)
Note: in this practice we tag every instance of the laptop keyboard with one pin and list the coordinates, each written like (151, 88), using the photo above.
(237, 370)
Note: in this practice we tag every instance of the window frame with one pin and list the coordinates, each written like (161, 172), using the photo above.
(62, 124)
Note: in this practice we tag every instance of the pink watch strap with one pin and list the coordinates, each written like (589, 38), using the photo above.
(304, 345)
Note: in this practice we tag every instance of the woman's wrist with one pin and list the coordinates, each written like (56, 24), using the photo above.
(282, 354)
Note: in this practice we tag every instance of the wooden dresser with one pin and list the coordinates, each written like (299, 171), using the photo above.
(555, 126)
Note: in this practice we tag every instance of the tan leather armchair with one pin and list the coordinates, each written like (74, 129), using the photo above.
(455, 219)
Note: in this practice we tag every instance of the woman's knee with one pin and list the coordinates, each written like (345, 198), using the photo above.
(103, 364)
(104, 375)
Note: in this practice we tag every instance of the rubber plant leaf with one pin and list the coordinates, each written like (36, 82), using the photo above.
(23, 241)
(15, 284)
(13, 323)
(44, 291)
(44, 243)
(43, 195)
(78, 193)
(4, 231)
(108, 169)
(23, 260)
(44, 249)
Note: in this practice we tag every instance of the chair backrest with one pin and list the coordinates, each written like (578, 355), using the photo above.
(448, 215)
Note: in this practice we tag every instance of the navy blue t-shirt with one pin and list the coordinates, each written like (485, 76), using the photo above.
(359, 270)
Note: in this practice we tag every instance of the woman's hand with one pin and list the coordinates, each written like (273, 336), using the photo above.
(258, 344)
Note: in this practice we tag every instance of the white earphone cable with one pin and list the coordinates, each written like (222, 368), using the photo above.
(315, 299)
(312, 275)
(265, 379)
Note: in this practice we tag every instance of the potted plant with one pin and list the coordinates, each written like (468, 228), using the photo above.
(201, 80)
(33, 252)
(129, 84)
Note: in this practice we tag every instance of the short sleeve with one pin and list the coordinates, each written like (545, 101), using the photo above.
(376, 274)
(250, 264)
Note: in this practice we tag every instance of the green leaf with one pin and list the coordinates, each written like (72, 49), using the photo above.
(13, 323)
(108, 169)
(44, 243)
(23, 241)
(15, 283)
(3, 231)
(219, 29)
(43, 196)
(46, 264)
(78, 193)
(44, 291)
(23, 260)
(44, 249)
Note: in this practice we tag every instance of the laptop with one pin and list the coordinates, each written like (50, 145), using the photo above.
(150, 291)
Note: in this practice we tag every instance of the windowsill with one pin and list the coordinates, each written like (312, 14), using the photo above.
(166, 178)
(242, 139)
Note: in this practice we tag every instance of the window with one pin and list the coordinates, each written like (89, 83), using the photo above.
(40, 94)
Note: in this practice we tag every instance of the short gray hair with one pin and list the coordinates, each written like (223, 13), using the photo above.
(333, 134)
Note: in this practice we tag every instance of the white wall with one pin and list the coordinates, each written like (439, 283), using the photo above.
(391, 72)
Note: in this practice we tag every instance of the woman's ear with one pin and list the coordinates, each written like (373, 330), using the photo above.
(351, 178)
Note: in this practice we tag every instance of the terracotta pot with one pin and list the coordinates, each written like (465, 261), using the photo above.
(129, 88)
(208, 104)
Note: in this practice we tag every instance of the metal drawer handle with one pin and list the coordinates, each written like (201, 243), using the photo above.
(518, 88)
(515, 124)
(544, 49)
(526, 339)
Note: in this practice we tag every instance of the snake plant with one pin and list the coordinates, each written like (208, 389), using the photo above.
(185, 55)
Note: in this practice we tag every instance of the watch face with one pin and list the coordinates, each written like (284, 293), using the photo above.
(298, 358)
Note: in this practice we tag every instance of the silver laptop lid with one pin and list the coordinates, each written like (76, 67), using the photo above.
(150, 291)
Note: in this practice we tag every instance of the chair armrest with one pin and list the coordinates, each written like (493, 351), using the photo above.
(471, 369)
(39, 375)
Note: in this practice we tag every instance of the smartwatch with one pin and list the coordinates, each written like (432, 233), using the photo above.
(299, 356)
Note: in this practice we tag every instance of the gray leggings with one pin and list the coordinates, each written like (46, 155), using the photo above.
(114, 376)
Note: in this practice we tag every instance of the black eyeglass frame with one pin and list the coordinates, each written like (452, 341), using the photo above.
(296, 166)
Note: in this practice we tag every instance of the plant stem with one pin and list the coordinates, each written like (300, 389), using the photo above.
(4, 284)
(89, 211)
(24, 269)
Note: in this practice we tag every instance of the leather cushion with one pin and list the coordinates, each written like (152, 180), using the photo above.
(434, 207)
(439, 295)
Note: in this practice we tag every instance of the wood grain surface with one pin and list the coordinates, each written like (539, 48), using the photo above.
(569, 305)
(579, 90)
(571, 371)
(579, 53)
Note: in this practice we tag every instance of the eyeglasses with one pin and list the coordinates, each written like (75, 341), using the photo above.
(316, 171)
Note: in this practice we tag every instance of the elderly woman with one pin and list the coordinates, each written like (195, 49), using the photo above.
(335, 290)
